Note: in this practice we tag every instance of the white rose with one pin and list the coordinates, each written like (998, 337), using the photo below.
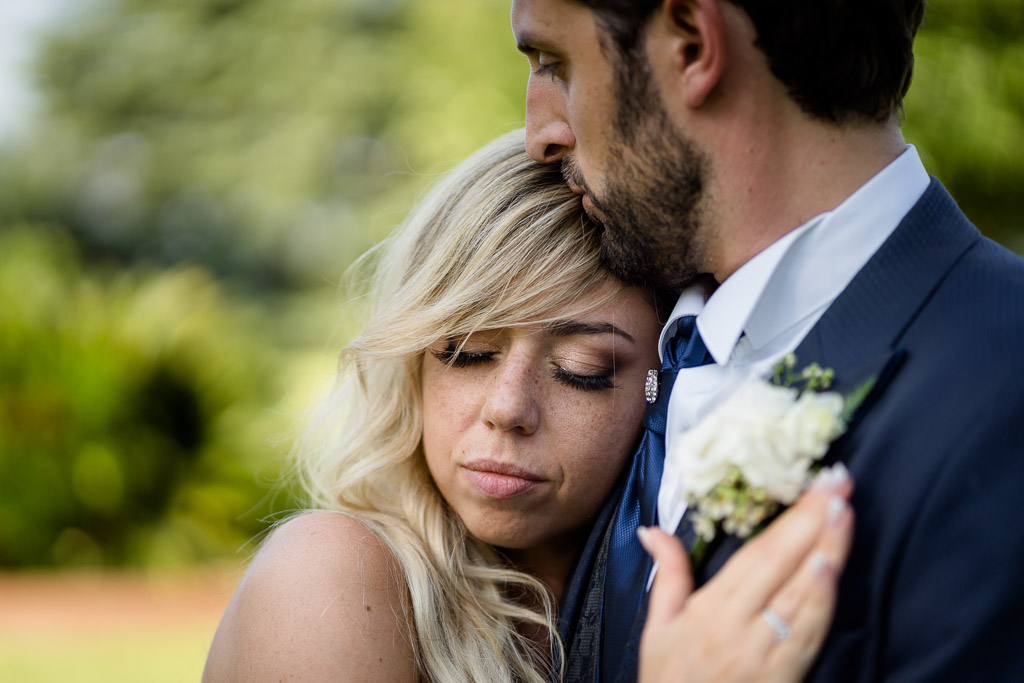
(777, 468)
(737, 433)
(766, 434)
(814, 422)
(799, 436)
(699, 453)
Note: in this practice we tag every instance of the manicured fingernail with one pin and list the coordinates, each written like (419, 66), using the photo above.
(831, 478)
(836, 507)
(643, 534)
(819, 563)
(821, 480)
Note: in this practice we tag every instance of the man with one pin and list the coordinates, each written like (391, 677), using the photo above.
(759, 144)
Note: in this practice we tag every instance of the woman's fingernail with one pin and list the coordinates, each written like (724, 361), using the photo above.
(819, 563)
(643, 534)
(821, 480)
(831, 478)
(836, 507)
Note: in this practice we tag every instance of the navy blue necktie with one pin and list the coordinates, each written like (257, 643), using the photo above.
(628, 563)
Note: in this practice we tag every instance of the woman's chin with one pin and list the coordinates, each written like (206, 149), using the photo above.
(507, 538)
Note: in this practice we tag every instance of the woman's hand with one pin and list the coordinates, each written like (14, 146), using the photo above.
(762, 617)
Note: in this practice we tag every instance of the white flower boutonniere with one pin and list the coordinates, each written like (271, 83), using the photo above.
(758, 449)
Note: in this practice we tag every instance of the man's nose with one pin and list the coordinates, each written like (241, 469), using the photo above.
(549, 136)
(512, 402)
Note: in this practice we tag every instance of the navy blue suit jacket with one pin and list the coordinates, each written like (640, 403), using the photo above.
(934, 587)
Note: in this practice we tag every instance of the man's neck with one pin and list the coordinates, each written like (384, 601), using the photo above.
(782, 177)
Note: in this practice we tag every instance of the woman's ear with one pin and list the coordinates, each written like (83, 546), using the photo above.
(696, 30)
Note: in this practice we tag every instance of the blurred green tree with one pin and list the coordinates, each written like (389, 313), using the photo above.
(269, 140)
(965, 110)
(133, 412)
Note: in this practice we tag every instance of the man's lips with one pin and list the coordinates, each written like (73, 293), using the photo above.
(582, 193)
(500, 480)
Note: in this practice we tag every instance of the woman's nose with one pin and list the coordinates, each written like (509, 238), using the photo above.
(513, 400)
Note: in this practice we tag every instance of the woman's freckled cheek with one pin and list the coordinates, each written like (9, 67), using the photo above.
(444, 415)
(590, 430)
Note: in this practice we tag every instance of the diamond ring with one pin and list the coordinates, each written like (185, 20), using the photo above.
(778, 625)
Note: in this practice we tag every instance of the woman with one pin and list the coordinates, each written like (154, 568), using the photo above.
(485, 414)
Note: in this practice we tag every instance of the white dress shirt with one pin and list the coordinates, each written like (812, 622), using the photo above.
(766, 308)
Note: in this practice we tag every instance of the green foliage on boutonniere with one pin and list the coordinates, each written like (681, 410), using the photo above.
(760, 449)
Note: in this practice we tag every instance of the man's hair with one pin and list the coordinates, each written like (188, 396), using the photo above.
(839, 59)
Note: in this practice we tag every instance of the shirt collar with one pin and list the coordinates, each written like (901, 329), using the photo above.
(801, 273)
(690, 302)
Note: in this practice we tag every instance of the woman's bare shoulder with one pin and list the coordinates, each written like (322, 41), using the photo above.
(322, 599)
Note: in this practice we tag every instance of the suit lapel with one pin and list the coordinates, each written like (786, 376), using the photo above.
(858, 336)
(866, 321)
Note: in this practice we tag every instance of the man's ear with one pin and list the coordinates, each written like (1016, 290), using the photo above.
(697, 32)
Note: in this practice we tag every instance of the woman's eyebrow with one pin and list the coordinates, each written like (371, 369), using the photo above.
(565, 328)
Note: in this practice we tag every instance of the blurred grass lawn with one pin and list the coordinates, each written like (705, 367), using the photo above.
(154, 656)
(108, 628)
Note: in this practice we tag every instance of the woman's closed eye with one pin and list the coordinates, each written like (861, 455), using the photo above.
(453, 357)
(583, 382)
(581, 370)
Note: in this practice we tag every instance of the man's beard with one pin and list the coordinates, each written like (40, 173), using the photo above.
(651, 208)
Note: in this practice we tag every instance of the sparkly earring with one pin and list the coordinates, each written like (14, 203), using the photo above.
(651, 387)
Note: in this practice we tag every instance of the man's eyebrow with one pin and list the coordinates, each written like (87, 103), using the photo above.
(528, 43)
(566, 328)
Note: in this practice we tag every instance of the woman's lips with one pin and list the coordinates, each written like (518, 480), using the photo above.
(500, 480)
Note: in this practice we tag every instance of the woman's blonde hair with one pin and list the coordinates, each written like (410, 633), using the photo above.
(500, 242)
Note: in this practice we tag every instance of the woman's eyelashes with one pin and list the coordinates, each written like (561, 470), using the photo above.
(455, 358)
(601, 379)
(582, 382)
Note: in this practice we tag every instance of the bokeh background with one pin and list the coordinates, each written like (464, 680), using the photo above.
(182, 185)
